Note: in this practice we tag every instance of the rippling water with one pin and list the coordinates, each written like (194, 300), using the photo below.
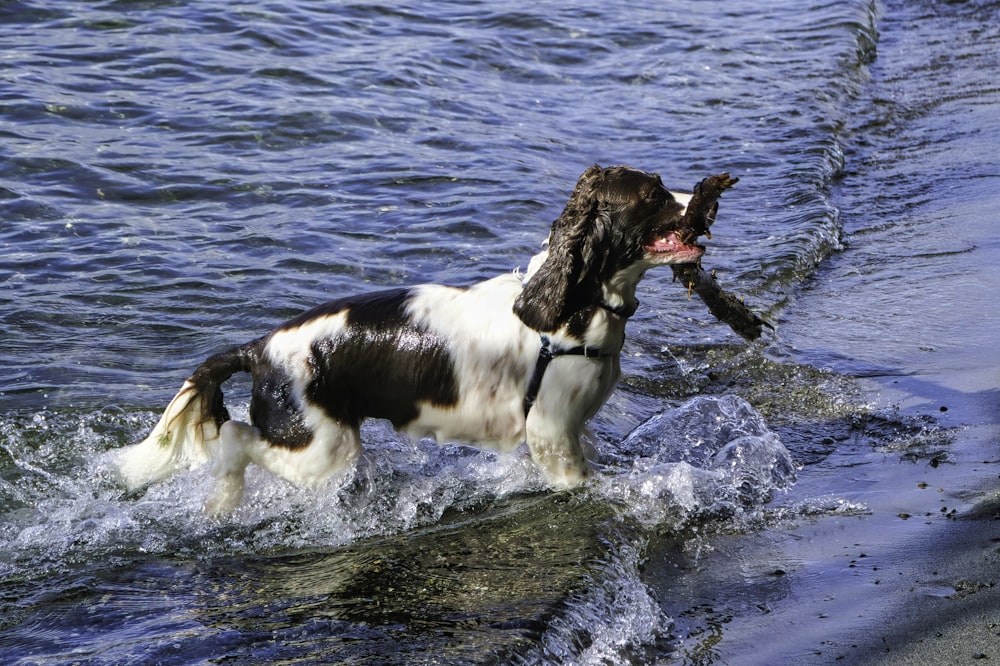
(179, 177)
(163, 161)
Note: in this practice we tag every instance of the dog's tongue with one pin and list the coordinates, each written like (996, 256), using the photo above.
(671, 249)
(673, 241)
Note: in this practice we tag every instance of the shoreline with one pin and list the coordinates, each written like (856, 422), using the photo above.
(899, 563)
(958, 627)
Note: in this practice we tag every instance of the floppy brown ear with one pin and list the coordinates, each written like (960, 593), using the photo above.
(554, 292)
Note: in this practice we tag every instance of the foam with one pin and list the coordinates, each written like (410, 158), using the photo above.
(710, 456)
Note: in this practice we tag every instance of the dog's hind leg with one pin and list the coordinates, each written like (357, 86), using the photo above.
(334, 448)
(233, 452)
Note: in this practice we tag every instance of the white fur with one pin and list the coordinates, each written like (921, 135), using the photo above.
(175, 443)
(488, 343)
(490, 351)
(290, 347)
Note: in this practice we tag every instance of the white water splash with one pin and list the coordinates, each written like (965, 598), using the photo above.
(711, 455)
(67, 503)
(614, 621)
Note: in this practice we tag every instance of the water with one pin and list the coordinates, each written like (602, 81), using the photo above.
(175, 179)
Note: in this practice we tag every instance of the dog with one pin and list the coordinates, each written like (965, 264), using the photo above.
(517, 358)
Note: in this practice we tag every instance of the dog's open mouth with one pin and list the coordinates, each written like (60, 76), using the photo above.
(675, 247)
(679, 244)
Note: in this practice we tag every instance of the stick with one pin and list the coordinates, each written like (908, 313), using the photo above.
(697, 220)
(704, 204)
(726, 307)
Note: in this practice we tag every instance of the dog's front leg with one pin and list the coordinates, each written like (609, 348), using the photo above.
(572, 390)
(556, 449)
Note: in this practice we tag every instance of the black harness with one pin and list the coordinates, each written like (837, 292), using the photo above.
(547, 352)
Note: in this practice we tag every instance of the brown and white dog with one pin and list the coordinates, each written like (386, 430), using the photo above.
(517, 358)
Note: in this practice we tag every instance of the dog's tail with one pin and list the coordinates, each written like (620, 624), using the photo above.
(188, 425)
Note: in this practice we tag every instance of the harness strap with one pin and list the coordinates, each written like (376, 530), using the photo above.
(545, 355)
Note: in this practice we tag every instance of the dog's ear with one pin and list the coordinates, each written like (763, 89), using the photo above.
(561, 286)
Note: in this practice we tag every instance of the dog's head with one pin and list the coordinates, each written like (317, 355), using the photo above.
(619, 221)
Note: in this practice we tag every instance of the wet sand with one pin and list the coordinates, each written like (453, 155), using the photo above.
(960, 622)
(905, 566)
(910, 573)
(942, 583)
(902, 565)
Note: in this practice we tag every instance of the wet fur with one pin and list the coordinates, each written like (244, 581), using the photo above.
(448, 362)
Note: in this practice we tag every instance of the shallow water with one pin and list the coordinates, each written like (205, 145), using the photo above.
(175, 179)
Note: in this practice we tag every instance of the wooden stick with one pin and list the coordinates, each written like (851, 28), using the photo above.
(697, 220)
(704, 204)
(726, 307)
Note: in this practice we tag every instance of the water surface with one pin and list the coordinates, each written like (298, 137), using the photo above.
(175, 179)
